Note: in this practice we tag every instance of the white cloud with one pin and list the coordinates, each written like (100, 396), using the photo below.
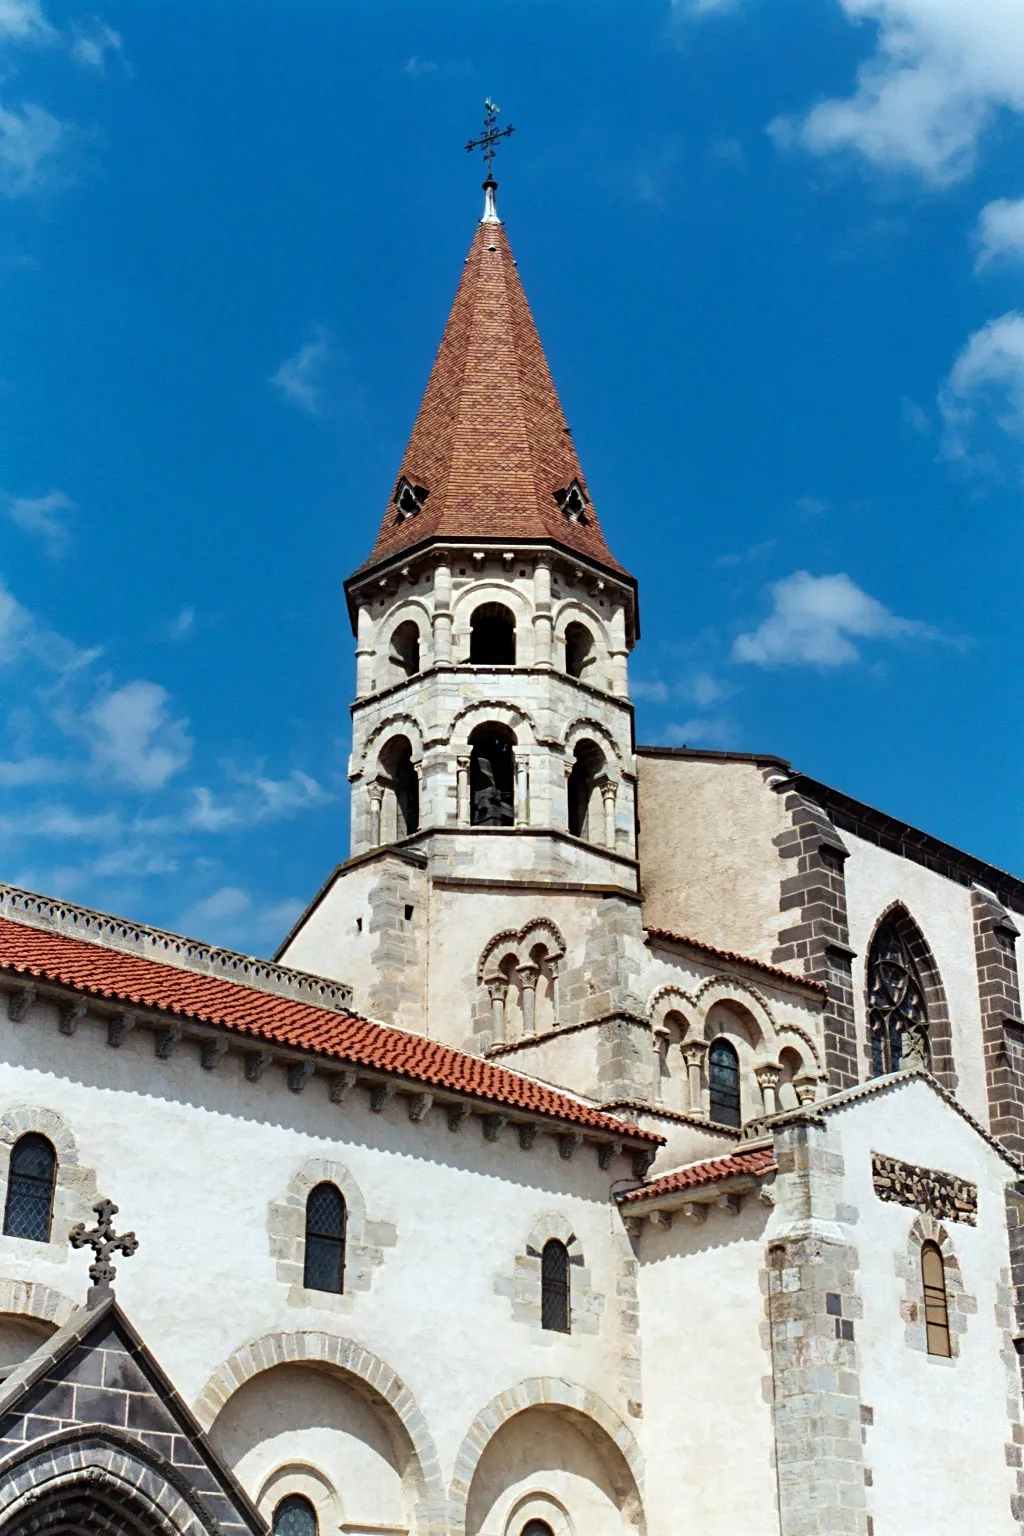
(941, 72)
(655, 692)
(415, 67)
(32, 770)
(91, 45)
(135, 738)
(988, 373)
(228, 902)
(1000, 232)
(32, 142)
(22, 21)
(701, 733)
(813, 619)
(689, 10)
(184, 625)
(42, 515)
(300, 378)
(914, 417)
(258, 799)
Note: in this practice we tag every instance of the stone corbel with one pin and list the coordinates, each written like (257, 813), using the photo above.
(118, 1028)
(731, 1204)
(568, 1143)
(642, 1161)
(341, 1085)
(70, 1015)
(299, 1074)
(419, 1106)
(212, 1054)
(662, 1220)
(256, 1063)
(607, 1152)
(493, 1125)
(457, 1115)
(381, 1094)
(527, 1135)
(19, 1002)
(165, 1041)
(694, 1211)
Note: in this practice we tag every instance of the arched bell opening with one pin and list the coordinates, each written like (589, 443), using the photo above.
(401, 810)
(585, 810)
(492, 636)
(492, 776)
(579, 651)
(404, 651)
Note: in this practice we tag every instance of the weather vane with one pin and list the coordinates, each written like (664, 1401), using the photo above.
(490, 136)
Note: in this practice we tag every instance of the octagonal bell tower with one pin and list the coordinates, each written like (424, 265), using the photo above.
(492, 728)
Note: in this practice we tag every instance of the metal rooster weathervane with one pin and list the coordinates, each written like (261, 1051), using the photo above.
(490, 136)
(103, 1240)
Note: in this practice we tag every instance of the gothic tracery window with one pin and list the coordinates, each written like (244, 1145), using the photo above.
(30, 1183)
(324, 1268)
(897, 1017)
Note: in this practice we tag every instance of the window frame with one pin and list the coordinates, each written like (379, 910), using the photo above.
(556, 1289)
(723, 1043)
(316, 1242)
(295, 1500)
(936, 1303)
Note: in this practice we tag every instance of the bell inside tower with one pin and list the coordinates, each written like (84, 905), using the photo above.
(491, 777)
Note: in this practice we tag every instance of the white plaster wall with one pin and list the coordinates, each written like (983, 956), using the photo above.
(936, 1449)
(707, 1433)
(194, 1158)
(542, 1459)
(942, 910)
(710, 870)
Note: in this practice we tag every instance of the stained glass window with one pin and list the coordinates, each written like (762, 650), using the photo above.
(724, 1082)
(295, 1516)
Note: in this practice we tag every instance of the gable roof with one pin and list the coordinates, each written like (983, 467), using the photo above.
(95, 1378)
(135, 981)
(664, 936)
(491, 447)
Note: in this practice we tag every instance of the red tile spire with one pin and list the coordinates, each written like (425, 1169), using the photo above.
(491, 455)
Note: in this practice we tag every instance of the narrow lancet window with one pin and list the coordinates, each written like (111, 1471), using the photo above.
(30, 1184)
(325, 1240)
(724, 1083)
(897, 1017)
(936, 1309)
(555, 1309)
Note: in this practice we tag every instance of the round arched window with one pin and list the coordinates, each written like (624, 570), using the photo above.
(537, 1528)
(295, 1516)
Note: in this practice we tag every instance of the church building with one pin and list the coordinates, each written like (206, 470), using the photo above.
(625, 1141)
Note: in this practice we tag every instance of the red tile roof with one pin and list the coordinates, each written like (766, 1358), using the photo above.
(491, 445)
(698, 1175)
(729, 955)
(96, 971)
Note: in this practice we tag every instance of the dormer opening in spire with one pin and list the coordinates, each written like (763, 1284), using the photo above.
(408, 498)
(573, 501)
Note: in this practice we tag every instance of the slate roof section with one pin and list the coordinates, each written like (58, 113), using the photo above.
(491, 445)
(95, 971)
(728, 955)
(758, 1161)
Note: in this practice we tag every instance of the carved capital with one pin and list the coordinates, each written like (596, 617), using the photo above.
(497, 988)
(529, 975)
(694, 1052)
(768, 1074)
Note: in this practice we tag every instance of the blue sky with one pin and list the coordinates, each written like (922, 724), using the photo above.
(775, 249)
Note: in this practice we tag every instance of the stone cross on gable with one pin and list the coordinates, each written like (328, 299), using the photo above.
(104, 1241)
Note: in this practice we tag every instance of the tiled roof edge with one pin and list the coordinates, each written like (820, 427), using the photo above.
(710, 1170)
(174, 949)
(735, 959)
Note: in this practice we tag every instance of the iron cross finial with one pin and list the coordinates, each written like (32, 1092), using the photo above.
(103, 1240)
(490, 136)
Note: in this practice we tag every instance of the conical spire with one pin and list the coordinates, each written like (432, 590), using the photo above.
(491, 456)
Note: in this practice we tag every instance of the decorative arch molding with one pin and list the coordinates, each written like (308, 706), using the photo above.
(465, 722)
(671, 998)
(151, 1497)
(517, 940)
(39, 1303)
(75, 1187)
(940, 1029)
(410, 608)
(730, 989)
(365, 1241)
(599, 1422)
(378, 1382)
(808, 1041)
(488, 590)
(401, 724)
(571, 611)
(585, 726)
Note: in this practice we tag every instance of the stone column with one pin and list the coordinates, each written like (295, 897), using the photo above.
(497, 991)
(462, 786)
(522, 782)
(659, 1042)
(618, 652)
(376, 794)
(364, 652)
(556, 991)
(768, 1075)
(609, 791)
(542, 621)
(442, 615)
(694, 1052)
(529, 975)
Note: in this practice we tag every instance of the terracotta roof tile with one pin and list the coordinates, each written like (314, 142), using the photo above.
(731, 956)
(97, 971)
(491, 445)
(699, 1175)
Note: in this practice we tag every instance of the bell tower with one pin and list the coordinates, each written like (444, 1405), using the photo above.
(492, 728)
